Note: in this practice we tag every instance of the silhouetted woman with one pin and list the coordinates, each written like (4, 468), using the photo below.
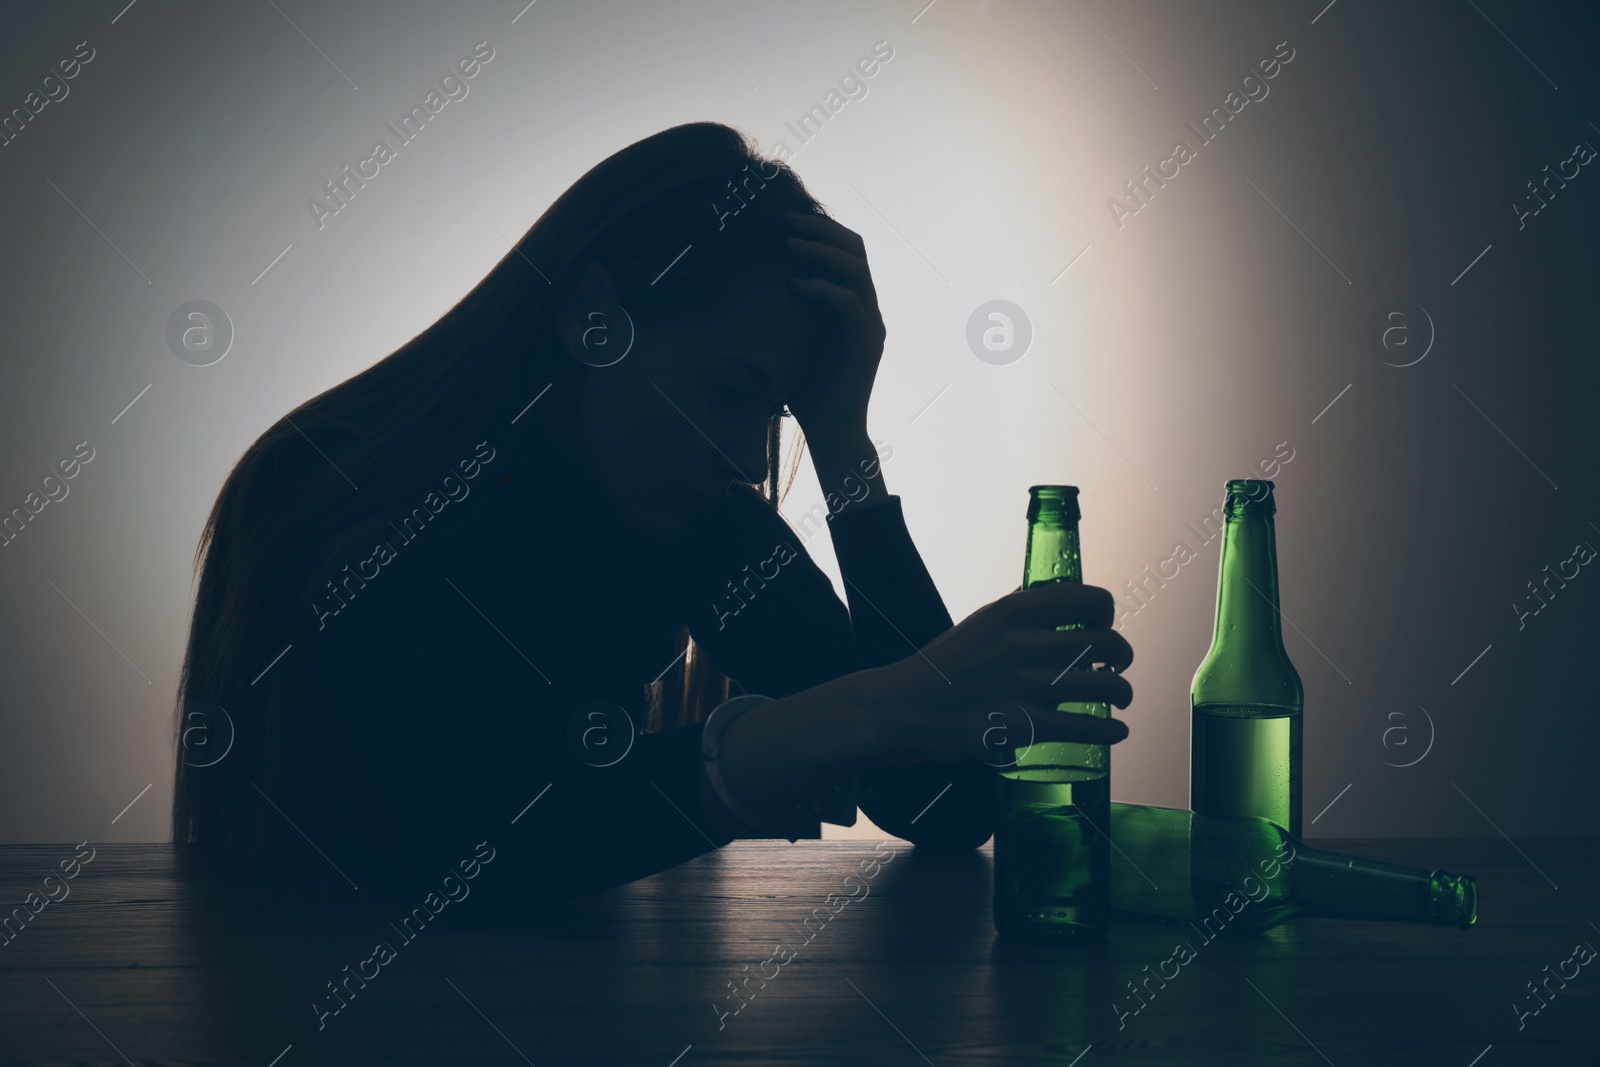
(480, 598)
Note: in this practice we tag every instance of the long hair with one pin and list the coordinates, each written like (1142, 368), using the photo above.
(311, 490)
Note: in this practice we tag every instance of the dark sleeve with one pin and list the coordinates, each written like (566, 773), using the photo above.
(450, 736)
(770, 619)
(895, 610)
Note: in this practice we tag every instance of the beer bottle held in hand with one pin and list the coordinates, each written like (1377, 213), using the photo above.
(1052, 858)
(1246, 698)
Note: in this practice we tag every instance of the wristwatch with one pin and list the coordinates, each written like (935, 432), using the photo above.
(837, 805)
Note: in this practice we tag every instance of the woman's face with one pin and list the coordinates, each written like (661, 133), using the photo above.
(669, 426)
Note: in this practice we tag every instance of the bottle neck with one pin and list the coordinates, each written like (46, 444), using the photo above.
(1247, 586)
(1336, 886)
(1053, 554)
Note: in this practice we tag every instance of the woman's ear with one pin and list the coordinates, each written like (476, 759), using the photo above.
(589, 315)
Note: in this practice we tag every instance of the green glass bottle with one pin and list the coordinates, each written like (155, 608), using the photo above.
(1245, 872)
(1244, 754)
(1052, 858)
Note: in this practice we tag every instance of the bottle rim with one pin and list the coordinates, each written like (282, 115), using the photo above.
(1058, 502)
(1452, 900)
(1252, 496)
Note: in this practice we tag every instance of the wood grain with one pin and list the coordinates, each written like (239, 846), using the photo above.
(144, 965)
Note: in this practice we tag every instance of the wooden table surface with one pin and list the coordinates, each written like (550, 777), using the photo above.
(903, 967)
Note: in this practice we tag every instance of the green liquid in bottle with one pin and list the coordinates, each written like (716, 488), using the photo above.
(1052, 858)
(1246, 761)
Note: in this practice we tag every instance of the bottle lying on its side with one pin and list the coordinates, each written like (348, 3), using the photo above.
(1168, 863)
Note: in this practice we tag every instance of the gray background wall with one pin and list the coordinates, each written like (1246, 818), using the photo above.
(1178, 350)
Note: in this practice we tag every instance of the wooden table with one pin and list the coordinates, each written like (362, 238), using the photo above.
(137, 966)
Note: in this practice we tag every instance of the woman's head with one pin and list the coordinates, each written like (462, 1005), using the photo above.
(648, 311)
(700, 388)
(680, 329)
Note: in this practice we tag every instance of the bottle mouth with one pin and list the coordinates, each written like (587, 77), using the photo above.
(1453, 900)
(1057, 502)
(1248, 496)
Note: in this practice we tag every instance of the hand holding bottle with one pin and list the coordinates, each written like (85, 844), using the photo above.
(1008, 659)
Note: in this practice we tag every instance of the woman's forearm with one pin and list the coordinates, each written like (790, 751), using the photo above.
(784, 753)
(777, 755)
(843, 463)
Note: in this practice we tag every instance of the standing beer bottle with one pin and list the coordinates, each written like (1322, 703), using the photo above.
(1052, 858)
(1244, 755)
